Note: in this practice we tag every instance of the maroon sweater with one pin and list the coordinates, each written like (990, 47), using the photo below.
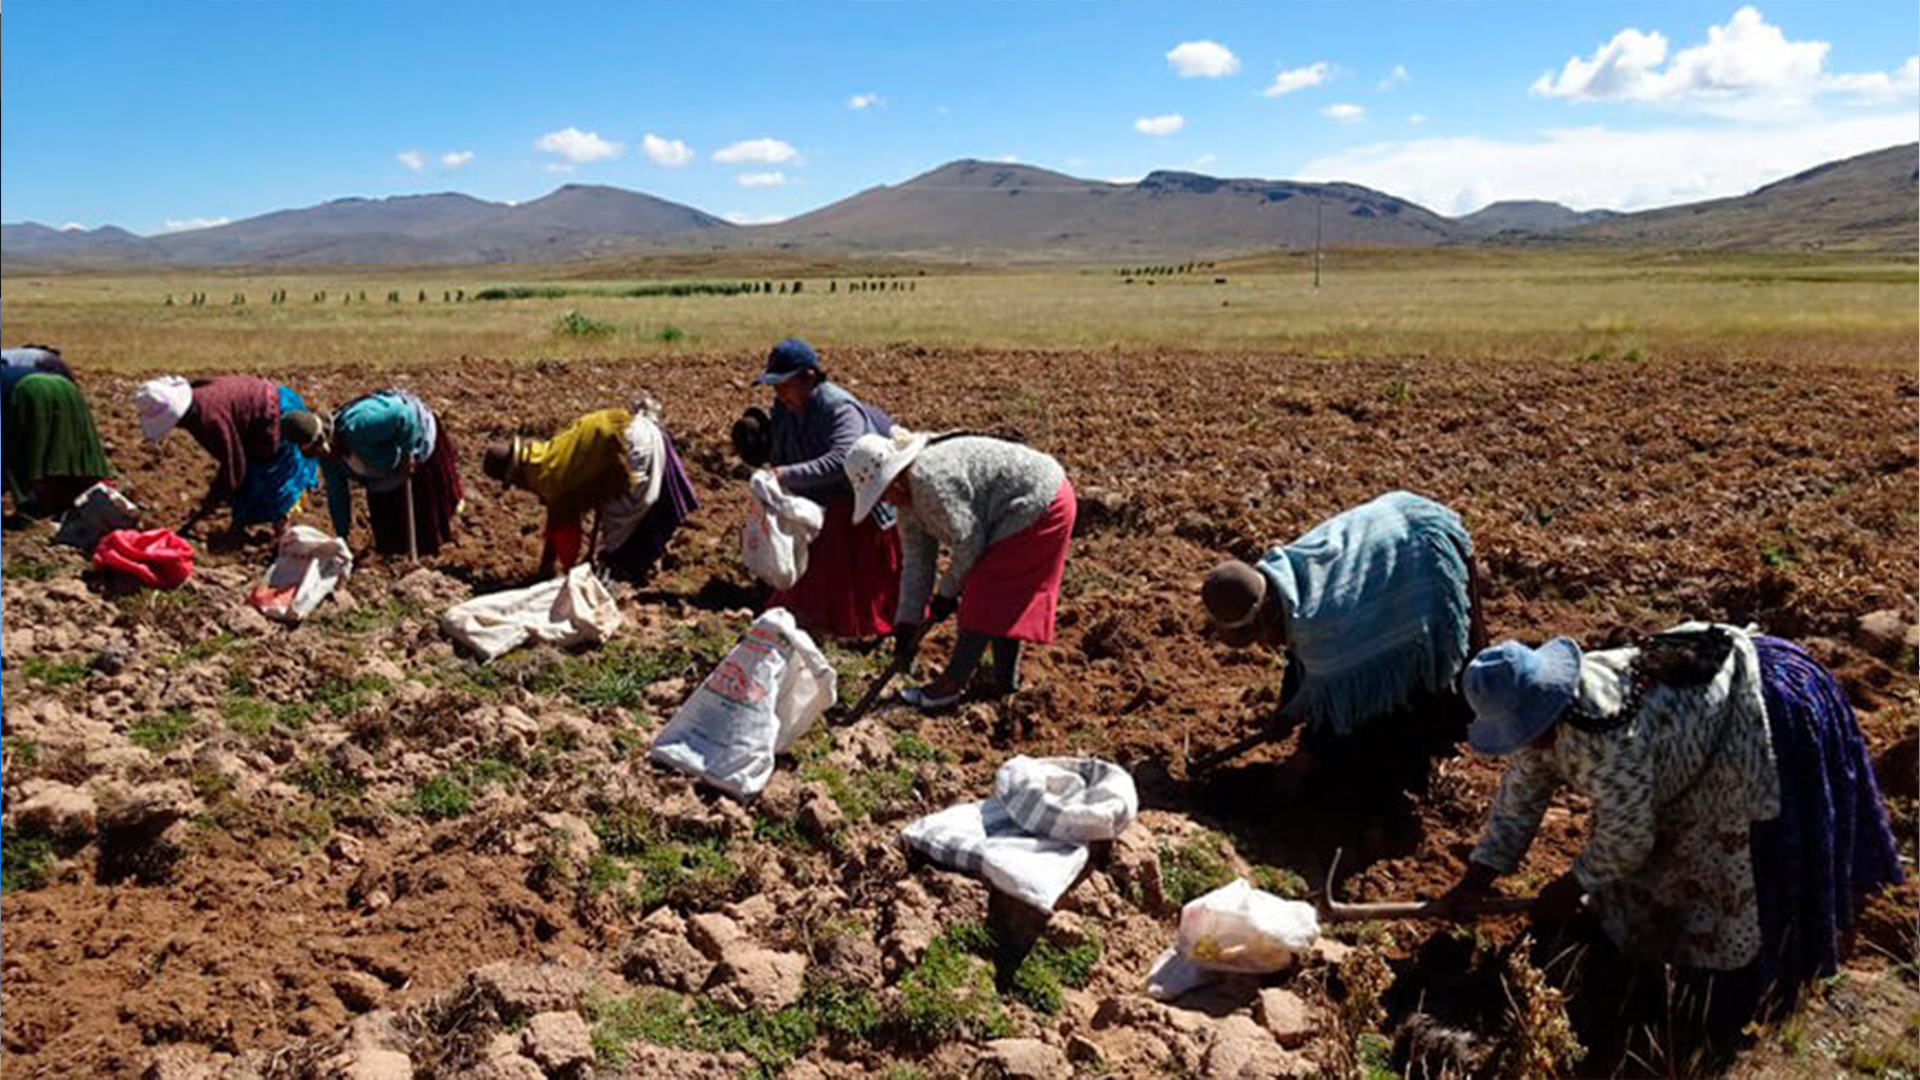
(237, 419)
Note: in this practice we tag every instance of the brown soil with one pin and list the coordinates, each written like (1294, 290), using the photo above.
(1600, 496)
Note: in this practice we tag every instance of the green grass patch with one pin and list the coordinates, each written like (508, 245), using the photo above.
(847, 1011)
(318, 777)
(1281, 882)
(161, 733)
(1373, 1052)
(1048, 969)
(25, 568)
(670, 335)
(451, 793)
(650, 867)
(204, 649)
(651, 1015)
(21, 752)
(25, 859)
(614, 677)
(342, 696)
(55, 673)
(772, 1039)
(911, 747)
(365, 618)
(573, 324)
(949, 994)
(1193, 867)
(249, 717)
(861, 794)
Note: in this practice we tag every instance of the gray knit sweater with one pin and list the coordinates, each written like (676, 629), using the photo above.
(968, 492)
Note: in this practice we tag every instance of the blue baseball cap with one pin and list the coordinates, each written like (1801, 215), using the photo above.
(1517, 693)
(789, 358)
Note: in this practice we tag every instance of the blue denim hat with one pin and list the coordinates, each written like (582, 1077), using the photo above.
(1517, 692)
(789, 358)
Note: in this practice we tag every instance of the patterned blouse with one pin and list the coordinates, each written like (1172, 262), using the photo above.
(1674, 792)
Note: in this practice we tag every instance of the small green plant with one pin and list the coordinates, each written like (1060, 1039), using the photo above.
(669, 334)
(161, 733)
(654, 1016)
(54, 673)
(950, 994)
(912, 747)
(1375, 1056)
(25, 859)
(1048, 969)
(451, 793)
(342, 696)
(1782, 551)
(1397, 392)
(1281, 882)
(1193, 867)
(615, 677)
(858, 796)
(21, 752)
(318, 777)
(847, 1011)
(573, 324)
(24, 568)
(204, 649)
(249, 717)
(773, 1040)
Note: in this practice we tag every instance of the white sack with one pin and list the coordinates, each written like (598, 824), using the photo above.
(571, 610)
(98, 511)
(304, 572)
(1237, 927)
(979, 838)
(769, 690)
(1173, 975)
(779, 529)
(1076, 799)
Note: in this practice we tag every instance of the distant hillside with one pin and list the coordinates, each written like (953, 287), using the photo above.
(983, 207)
(991, 210)
(574, 221)
(1865, 203)
(1530, 216)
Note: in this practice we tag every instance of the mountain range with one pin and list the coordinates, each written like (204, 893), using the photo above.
(979, 209)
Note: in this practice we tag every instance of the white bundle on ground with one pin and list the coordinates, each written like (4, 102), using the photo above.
(304, 572)
(779, 530)
(1235, 928)
(572, 610)
(99, 510)
(1030, 840)
(769, 690)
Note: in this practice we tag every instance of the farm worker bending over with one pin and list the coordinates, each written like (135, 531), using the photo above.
(1004, 511)
(853, 567)
(236, 418)
(1735, 822)
(391, 442)
(1377, 612)
(51, 450)
(619, 464)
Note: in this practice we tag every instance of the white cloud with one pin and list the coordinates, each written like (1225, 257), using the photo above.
(1394, 78)
(757, 152)
(73, 226)
(865, 101)
(1417, 119)
(1203, 60)
(578, 147)
(741, 217)
(669, 152)
(1345, 112)
(1008, 159)
(454, 159)
(762, 179)
(1299, 79)
(1747, 69)
(1160, 125)
(412, 159)
(1204, 160)
(174, 225)
(1599, 167)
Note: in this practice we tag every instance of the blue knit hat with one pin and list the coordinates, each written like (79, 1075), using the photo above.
(1517, 693)
(789, 358)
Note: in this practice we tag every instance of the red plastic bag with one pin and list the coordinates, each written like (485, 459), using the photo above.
(156, 558)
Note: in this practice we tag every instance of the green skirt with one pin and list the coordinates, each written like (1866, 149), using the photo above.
(49, 441)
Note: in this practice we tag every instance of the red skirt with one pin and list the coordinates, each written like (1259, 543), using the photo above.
(1013, 589)
(852, 581)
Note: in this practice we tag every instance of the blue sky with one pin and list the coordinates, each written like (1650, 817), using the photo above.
(151, 115)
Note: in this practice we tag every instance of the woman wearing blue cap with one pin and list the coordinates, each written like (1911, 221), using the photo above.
(1734, 820)
(853, 567)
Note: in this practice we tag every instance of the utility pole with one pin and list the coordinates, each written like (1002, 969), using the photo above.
(1316, 238)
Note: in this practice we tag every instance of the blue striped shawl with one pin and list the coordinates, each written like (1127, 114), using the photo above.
(1376, 606)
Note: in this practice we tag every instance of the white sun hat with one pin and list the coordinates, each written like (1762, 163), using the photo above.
(162, 402)
(874, 461)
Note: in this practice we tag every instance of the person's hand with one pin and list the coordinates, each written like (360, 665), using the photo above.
(1559, 900)
(1472, 888)
(942, 607)
(906, 644)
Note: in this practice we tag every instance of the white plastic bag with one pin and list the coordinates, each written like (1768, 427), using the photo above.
(768, 691)
(99, 510)
(779, 529)
(309, 564)
(571, 610)
(1237, 927)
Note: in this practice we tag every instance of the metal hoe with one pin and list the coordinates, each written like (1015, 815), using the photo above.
(1335, 911)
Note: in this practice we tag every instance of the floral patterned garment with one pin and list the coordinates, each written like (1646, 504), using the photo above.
(1675, 790)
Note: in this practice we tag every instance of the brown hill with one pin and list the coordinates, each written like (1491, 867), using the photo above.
(1865, 203)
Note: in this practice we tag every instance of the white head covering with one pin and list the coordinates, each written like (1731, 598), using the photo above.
(874, 461)
(162, 402)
